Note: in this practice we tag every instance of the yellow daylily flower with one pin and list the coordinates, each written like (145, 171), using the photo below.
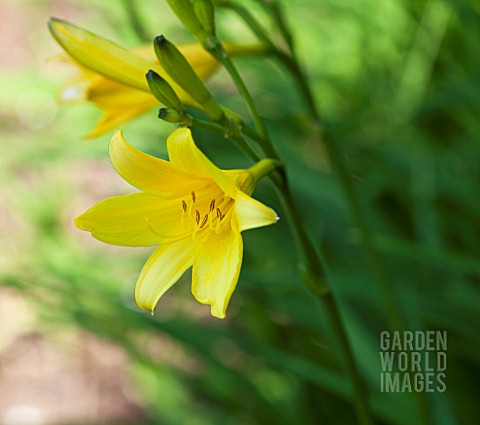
(114, 78)
(193, 210)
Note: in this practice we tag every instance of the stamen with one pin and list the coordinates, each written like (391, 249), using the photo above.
(212, 205)
(184, 206)
(219, 214)
(194, 197)
(197, 216)
(204, 221)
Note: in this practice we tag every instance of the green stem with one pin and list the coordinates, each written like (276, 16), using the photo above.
(300, 79)
(239, 141)
(313, 272)
(265, 144)
(273, 7)
(360, 394)
(340, 169)
(222, 56)
(314, 275)
(254, 25)
(242, 144)
(315, 279)
(262, 168)
(207, 125)
(396, 320)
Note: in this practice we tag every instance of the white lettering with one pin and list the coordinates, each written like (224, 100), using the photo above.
(441, 361)
(386, 358)
(384, 340)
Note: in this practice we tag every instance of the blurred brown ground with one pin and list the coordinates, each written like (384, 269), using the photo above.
(73, 378)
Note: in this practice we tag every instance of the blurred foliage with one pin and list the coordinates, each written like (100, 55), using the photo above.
(398, 85)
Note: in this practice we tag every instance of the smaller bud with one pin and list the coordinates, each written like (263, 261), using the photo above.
(205, 13)
(173, 116)
(183, 74)
(163, 91)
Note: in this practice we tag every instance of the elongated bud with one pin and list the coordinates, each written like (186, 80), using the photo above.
(183, 74)
(174, 117)
(184, 11)
(163, 91)
(205, 13)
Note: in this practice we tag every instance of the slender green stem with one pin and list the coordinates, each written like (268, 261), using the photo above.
(221, 55)
(300, 79)
(315, 279)
(239, 141)
(254, 25)
(396, 320)
(264, 143)
(340, 168)
(313, 274)
(360, 394)
(273, 7)
(312, 268)
(208, 125)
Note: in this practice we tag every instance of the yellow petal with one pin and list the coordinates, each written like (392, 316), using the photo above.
(112, 118)
(146, 172)
(100, 55)
(252, 214)
(187, 158)
(138, 219)
(112, 61)
(110, 94)
(164, 267)
(216, 269)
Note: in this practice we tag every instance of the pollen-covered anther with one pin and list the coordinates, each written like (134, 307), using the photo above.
(219, 214)
(212, 205)
(204, 221)
(184, 206)
(194, 197)
(197, 217)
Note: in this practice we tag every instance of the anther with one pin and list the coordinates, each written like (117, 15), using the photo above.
(212, 205)
(197, 216)
(184, 206)
(219, 214)
(204, 221)
(194, 197)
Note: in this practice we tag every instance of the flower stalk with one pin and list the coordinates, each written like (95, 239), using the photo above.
(313, 274)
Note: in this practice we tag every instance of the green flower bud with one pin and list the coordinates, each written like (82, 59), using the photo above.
(184, 11)
(174, 117)
(163, 91)
(205, 13)
(183, 74)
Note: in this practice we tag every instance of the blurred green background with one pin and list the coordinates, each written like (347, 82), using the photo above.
(398, 86)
